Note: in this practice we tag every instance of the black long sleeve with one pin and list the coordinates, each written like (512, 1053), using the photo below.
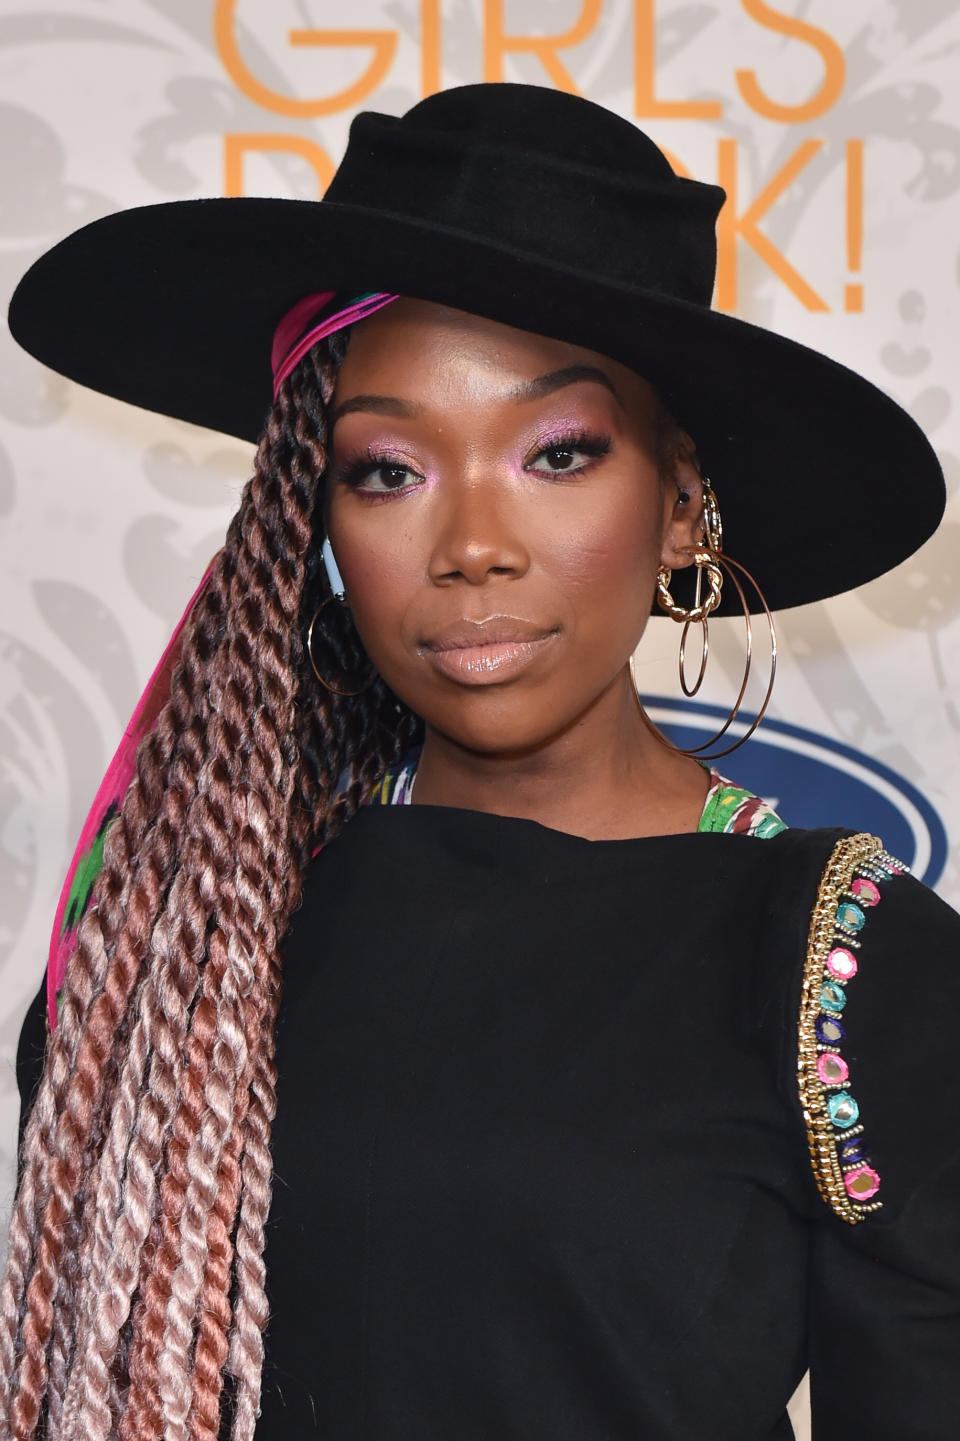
(30, 1052)
(540, 1162)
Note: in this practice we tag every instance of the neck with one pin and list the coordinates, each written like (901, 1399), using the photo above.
(608, 776)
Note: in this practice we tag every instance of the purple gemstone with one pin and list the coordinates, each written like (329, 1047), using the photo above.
(853, 1151)
(830, 1031)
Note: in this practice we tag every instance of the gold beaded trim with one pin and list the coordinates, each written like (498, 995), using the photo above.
(863, 853)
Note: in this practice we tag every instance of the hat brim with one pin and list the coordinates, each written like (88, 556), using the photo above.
(824, 481)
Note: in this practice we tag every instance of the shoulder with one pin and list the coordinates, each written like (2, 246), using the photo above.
(902, 1025)
(877, 1018)
(854, 974)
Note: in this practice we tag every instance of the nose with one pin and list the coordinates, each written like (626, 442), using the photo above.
(477, 538)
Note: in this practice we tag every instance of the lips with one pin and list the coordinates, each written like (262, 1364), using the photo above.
(487, 651)
(496, 630)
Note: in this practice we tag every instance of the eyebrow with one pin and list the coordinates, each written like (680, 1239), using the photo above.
(530, 390)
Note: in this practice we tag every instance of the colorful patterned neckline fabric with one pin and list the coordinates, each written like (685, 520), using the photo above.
(728, 808)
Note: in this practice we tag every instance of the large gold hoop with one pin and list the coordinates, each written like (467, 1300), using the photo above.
(704, 656)
(710, 559)
(323, 681)
(731, 567)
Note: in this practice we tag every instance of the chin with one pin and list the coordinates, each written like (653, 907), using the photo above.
(499, 729)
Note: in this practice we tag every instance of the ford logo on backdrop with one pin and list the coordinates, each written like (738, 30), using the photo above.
(812, 780)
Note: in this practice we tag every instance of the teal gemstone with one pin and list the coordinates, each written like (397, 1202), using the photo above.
(843, 1109)
(850, 916)
(833, 997)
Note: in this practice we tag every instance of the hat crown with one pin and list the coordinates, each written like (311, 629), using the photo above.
(537, 118)
(535, 173)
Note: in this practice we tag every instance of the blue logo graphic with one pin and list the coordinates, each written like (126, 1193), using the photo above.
(812, 780)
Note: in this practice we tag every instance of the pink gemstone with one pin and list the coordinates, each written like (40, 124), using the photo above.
(842, 963)
(865, 891)
(832, 1070)
(862, 1183)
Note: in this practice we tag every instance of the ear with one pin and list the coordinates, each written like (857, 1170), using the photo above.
(683, 506)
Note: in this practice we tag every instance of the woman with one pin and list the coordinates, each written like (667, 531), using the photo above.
(538, 1028)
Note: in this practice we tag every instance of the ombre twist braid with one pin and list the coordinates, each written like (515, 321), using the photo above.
(134, 1283)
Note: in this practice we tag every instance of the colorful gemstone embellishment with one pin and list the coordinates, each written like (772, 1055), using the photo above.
(861, 1183)
(833, 997)
(850, 917)
(843, 1110)
(866, 892)
(849, 888)
(842, 963)
(832, 1069)
(830, 1031)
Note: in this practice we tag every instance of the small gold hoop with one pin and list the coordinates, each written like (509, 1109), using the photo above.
(704, 560)
(325, 683)
(712, 523)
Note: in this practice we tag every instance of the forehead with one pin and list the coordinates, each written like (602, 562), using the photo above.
(420, 345)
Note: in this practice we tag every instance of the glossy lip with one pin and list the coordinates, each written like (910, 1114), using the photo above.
(486, 651)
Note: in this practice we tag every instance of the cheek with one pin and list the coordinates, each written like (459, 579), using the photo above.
(370, 572)
(382, 574)
(608, 562)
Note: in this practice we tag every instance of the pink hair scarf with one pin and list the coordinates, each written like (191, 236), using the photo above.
(304, 324)
(300, 329)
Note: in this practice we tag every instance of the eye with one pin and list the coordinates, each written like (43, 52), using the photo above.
(570, 454)
(379, 476)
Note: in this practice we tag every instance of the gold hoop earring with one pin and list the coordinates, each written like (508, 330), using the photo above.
(325, 683)
(704, 560)
(711, 558)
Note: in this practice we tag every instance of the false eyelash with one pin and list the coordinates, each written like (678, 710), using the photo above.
(352, 472)
(590, 443)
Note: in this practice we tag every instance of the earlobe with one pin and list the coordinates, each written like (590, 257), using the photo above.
(685, 526)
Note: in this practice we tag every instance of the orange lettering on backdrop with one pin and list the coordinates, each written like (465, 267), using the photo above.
(383, 43)
(644, 74)
(853, 290)
(236, 146)
(830, 53)
(730, 226)
(496, 43)
(430, 76)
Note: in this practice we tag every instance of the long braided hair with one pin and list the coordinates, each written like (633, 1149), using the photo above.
(133, 1302)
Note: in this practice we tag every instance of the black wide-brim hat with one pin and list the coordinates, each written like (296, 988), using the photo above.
(531, 207)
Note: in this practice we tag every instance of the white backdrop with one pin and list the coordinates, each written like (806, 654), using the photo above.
(108, 515)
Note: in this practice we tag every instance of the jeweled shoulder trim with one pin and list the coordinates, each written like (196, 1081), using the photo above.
(839, 1153)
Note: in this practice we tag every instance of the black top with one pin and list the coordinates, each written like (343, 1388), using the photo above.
(541, 1169)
